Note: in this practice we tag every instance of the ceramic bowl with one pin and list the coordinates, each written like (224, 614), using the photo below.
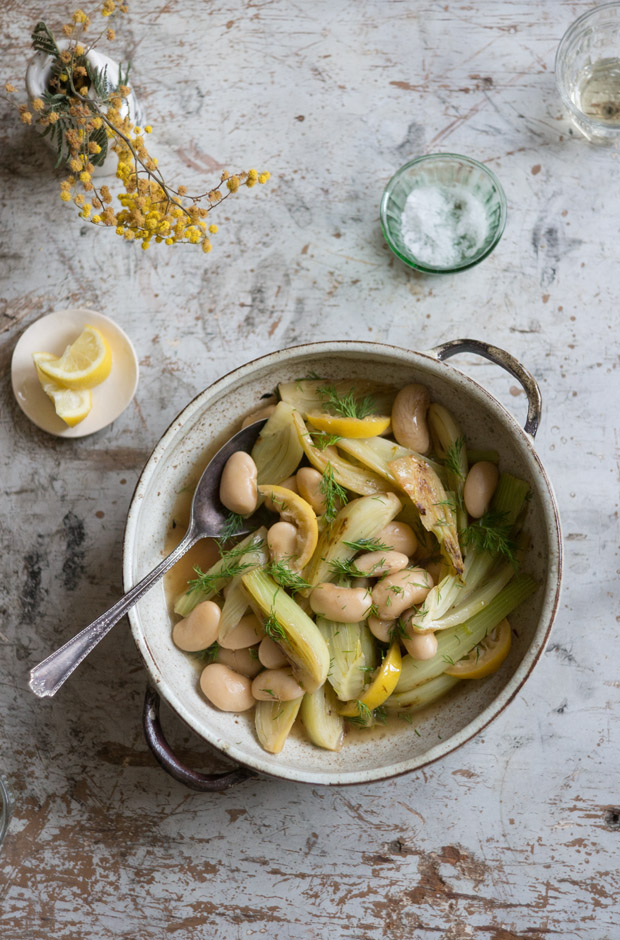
(177, 462)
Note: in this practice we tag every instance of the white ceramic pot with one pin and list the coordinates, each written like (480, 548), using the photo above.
(180, 456)
(37, 77)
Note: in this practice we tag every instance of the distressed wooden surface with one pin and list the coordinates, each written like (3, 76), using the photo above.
(516, 835)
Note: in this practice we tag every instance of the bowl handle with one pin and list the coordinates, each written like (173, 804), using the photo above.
(501, 358)
(170, 762)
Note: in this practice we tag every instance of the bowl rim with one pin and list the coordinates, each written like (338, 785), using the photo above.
(471, 729)
(410, 260)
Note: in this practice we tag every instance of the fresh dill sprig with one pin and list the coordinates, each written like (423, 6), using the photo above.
(380, 714)
(335, 495)
(349, 405)
(367, 545)
(452, 460)
(234, 522)
(273, 628)
(231, 567)
(285, 577)
(491, 533)
(209, 655)
(322, 439)
(397, 630)
(448, 659)
(346, 569)
(207, 581)
(363, 717)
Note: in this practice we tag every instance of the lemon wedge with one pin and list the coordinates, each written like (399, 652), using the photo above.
(371, 426)
(381, 686)
(84, 364)
(72, 406)
(294, 509)
(486, 657)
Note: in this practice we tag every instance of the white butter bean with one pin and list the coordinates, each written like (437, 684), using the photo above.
(409, 425)
(270, 654)
(380, 628)
(421, 646)
(480, 485)
(227, 690)
(397, 592)
(265, 412)
(248, 632)
(238, 483)
(276, 685)
(400, 537)
(199, 629)
(245, 661)
(282, 541)
(376, 564)
(344, 605)
(309, 486)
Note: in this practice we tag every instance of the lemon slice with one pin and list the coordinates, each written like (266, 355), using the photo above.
(371, 426)
(294, 509)
(486, 657)
(381, 686)
(72, 406)
(84, 364)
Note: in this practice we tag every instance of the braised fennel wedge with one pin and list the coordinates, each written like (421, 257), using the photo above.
(384, 579)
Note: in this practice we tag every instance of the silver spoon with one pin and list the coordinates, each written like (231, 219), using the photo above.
(207, 518)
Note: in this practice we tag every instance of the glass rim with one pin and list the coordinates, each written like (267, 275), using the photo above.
(568, 34)
(409, 260)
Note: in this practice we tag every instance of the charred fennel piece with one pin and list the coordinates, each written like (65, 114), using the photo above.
(488, 546)
(476, 601)
(418, 479)
(289, 626)
(449, 446)
(273, 721)
(323, 724)
(362, 518)
(277, 451)
(423, 695)
(457, 642)
(377, 453)
(308, 395)
(352, 656)
(357, 479)
(233, 562)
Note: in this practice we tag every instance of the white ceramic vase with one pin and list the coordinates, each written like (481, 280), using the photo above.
(37, 77)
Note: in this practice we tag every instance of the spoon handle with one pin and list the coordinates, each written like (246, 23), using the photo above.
(48, 676)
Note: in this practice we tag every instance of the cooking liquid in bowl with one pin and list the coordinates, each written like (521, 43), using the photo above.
(367, 753)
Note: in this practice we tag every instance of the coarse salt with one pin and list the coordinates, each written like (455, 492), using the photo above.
(443, 225)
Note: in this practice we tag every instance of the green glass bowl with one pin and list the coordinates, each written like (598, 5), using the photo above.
(446, 170)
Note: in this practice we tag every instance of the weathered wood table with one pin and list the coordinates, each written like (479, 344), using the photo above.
(515, 835)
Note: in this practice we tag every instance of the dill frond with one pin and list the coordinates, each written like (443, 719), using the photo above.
(285, 577)
(349, 405)
(335, 495)
(367, 545)
(491, 533)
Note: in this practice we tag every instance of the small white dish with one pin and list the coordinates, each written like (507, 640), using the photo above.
(53, 334)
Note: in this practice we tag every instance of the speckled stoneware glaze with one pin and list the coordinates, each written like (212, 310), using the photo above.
(177, 462)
